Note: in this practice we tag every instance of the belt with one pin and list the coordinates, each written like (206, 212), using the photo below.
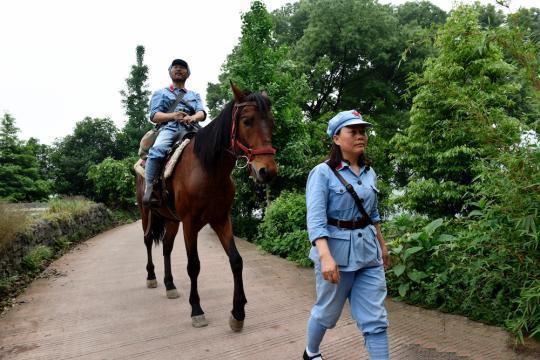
(349, 224)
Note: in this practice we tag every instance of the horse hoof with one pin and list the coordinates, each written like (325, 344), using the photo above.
(236, 325)
(151, 284)
(172, 294)
(199, 321)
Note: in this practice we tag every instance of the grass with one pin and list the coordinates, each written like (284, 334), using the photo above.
(63, 210)
(67, 208)
(125, 216)
(11, 222)
(37, 258)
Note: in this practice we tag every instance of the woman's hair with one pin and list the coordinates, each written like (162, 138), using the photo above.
(335, 157)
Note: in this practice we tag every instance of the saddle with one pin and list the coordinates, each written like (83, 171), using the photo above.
(181, 140)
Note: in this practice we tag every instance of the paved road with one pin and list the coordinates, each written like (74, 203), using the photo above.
(94, 304)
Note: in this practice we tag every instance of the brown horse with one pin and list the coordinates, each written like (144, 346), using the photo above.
(203, 193)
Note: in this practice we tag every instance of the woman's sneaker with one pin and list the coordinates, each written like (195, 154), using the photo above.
(315, 357)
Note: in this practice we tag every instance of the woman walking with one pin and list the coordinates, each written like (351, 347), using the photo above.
(348, 248)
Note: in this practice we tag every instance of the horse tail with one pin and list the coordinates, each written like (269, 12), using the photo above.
(156, 227)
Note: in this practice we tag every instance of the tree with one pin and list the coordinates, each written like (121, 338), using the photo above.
(521, 42)
(42, 153)
(489, 16)
(135, 101)
(92, 141)
(423, 13)
(20, 178)
(358, 54)
(258, 63)
(114, 182)
(460, 116)
(290, 22)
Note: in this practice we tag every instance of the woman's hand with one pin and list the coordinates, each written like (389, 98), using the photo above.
(329, 269)
(385, 257)
(384, 249)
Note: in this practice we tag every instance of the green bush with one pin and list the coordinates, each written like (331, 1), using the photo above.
(283, 229)
(125, 216)
(114, 182)
(61, 244)
(36, 258)
(415, 261)
(484, 265)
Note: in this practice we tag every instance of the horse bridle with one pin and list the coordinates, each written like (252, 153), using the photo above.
(248, 151)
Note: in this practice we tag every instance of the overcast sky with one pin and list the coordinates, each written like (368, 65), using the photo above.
(63, 60)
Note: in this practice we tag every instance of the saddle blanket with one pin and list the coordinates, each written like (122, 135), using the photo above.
(169, 165)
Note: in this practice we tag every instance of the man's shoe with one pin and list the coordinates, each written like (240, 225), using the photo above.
(316, 357)
(149, 198)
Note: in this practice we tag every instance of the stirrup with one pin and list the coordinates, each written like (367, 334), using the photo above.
(149, 199)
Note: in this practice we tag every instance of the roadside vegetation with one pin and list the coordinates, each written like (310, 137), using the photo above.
(455, 102)
(66, 218)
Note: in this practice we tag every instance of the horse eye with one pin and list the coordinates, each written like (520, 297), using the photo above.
(247, 122)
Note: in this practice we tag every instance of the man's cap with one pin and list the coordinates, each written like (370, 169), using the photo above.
(345, 118)
(179, 62)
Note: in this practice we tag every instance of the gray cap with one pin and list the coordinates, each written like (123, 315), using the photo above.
(181, 63)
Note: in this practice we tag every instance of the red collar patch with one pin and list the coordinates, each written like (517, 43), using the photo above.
(171, 87)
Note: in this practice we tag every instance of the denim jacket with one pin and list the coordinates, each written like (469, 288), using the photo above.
(162, 99)
(352, 249)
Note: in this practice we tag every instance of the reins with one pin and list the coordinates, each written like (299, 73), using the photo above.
(249, 152)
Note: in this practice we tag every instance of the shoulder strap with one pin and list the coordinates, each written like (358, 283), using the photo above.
(350, 189)
(177, 101)
(190, 108)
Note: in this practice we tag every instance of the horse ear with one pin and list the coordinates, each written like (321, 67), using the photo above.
(238, 94)
(264, 94)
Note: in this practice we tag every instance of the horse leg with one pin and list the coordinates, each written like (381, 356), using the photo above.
(171, 229)
(224, 232)
(193, 268)
(151, 277)
(151, 281)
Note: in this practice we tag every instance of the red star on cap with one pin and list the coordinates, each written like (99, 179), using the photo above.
(356, 113)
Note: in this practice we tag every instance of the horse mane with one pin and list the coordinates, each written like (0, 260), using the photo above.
(212, 141)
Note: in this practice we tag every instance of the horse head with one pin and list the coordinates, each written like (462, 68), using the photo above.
(251, 133)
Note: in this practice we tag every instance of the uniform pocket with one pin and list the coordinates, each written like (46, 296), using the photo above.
(372, 248)
(340, 199)
(339, 244)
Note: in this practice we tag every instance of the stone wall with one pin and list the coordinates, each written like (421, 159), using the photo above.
(47, 232)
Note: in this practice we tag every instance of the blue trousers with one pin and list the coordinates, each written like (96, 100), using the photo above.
(159, 150)
(366, 290)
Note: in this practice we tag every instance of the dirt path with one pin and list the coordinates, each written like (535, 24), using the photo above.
(95, 305)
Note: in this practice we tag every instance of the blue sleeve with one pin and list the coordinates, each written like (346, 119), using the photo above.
(199, 106)
(374, 214)
(316, 198)
(159, 102)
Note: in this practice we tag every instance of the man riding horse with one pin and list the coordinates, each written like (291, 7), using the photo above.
(172, 108)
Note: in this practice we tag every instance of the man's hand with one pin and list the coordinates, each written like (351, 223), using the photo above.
(179, 116)
(189, 119)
